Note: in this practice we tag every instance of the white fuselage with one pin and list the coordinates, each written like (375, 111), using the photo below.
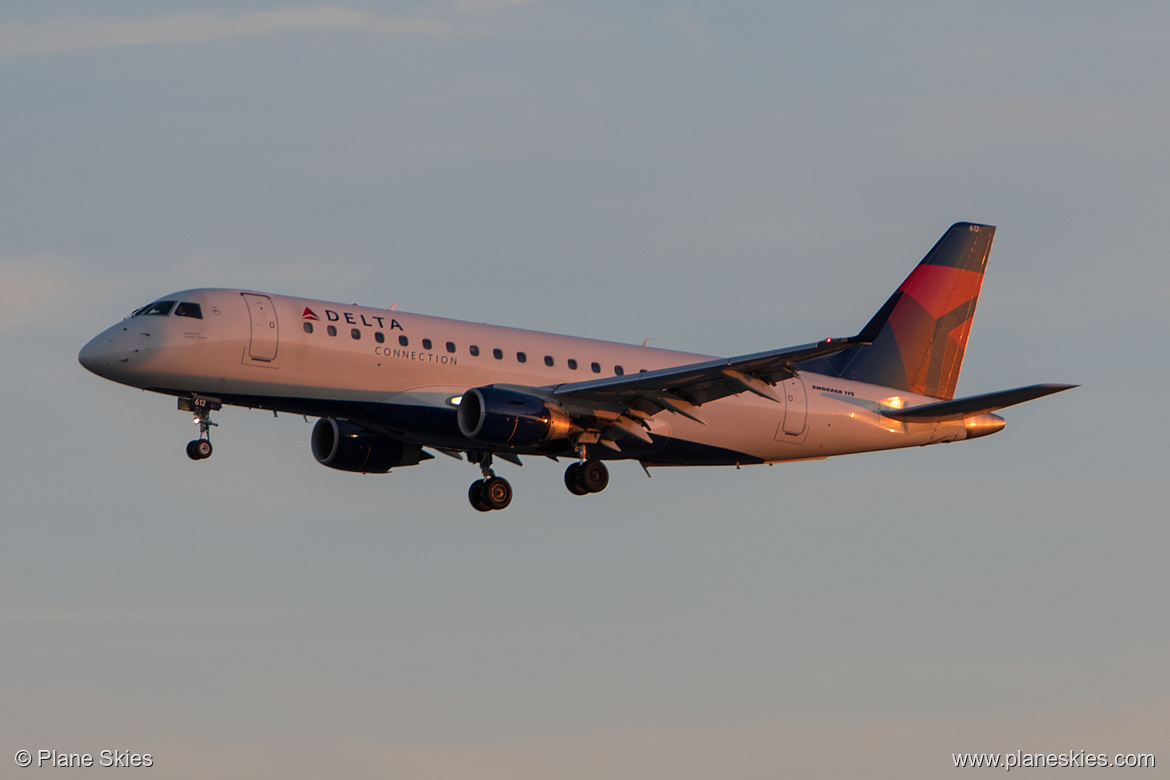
(406, 373)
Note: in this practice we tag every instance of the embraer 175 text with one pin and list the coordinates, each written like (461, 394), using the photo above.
(389, 385)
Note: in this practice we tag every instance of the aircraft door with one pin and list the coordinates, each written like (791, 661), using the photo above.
(265, 331)
(795, 410)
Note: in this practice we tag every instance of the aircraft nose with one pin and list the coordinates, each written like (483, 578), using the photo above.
(103, 355)
(94, 355)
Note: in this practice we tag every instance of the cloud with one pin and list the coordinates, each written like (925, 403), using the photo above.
(1012, 50)
(56, 615)
(63, 35)
(888, 745)
(938, 126)
(476, 88)
(35, 290)
(489, 6)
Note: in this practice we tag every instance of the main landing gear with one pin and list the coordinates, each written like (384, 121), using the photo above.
(201, 407)
(491, 492)
(590, 476)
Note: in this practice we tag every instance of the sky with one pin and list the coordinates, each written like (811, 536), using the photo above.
(720, 178)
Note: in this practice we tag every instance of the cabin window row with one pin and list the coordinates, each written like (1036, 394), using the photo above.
(473, 350)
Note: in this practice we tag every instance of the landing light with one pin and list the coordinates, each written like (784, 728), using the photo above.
(455, 400)
(893, 402)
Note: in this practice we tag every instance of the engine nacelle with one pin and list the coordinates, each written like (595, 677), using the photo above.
(342, 445)
(492, 415)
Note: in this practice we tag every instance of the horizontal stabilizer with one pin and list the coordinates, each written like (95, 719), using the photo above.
(975, 404)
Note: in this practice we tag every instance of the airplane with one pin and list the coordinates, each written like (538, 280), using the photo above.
(389, 387)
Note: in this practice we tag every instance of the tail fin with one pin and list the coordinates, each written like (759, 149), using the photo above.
(917, 339)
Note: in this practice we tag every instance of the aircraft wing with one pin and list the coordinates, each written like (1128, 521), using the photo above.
(975, 404)
(682, 388)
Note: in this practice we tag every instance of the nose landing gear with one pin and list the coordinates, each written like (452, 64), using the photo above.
(201, 407)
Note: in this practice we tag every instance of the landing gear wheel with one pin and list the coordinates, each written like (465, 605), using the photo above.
(475, 496)
(491, 492)
(573, 480)
(589, 477)
(496, 493)
(199, 449)
(593, 476)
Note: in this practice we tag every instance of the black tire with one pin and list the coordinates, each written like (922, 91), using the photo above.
(199, 449)
(475, 496)
(573, 480)
(496, 493)
(593, 476)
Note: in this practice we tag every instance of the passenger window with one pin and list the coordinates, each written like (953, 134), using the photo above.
(572, 364)
(332, 330)
(596, 367)
(548, 361)
(520, 356)
(191, 310)
(451, 346)
(404, 341)
(474, 350)
(498, 354)
(357, 334)
(426, 343)
(619, 370)
(379, 337)
(308, 327)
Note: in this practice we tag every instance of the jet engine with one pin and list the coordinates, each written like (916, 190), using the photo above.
(342, 445)
(494, 416)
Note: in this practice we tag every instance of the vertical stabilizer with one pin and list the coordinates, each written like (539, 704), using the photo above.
(917, 339)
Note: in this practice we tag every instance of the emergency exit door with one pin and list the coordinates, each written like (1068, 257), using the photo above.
(795, 410)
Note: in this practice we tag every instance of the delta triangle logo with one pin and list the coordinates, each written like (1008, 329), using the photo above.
(310, 315)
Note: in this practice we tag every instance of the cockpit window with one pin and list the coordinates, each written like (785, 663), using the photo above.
(156, 309)
(191, 310)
